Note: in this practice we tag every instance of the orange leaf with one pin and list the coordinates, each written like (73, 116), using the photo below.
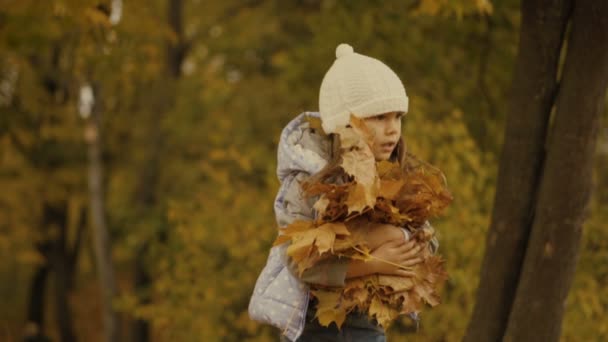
(390, 188)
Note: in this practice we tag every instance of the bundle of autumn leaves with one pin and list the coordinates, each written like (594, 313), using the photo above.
(356, 195)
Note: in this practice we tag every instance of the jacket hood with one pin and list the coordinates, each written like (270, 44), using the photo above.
(301, 148)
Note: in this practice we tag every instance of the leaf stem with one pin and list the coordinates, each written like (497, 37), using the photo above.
(407, 268)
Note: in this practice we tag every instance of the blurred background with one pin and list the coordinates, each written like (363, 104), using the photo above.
(138, 153)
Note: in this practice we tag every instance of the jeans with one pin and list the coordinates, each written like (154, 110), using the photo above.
(356, 328)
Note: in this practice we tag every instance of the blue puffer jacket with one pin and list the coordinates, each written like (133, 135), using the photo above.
(280, 298)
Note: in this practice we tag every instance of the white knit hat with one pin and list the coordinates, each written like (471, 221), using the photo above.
(359, 85)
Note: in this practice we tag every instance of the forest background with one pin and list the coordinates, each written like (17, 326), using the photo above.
(189, 98)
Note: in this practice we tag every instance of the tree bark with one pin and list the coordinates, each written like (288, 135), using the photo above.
(63, 313)
(56, 217)
(532, 95)
(36, 304)
(176, 49)
(141, 279)
(565, 190)
(101, 239)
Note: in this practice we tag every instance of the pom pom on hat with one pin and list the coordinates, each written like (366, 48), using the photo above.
(343, 50)
(359, 85)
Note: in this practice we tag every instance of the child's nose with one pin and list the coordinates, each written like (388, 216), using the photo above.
(391, 127)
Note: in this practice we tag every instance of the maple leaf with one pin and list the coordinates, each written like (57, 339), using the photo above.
(287, 233)
(281, 239)
(324, 238)
(331, 205)
(358, 159)
(328, 307)
(339, 228)
(359, 198)
(297, 227)
(356, 290)
(317, 188)
(355, 136)
(409, 303)
(361, 164)
(312, 259)
(301, 247)
(321, 205)
(326, 235)
(364, 132)
(385, 211)
(396, 283)
(315, 123)
(382, 313)
(388, 170)
(390, 188)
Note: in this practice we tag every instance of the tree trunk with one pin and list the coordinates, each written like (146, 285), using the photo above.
(147, 187)
(63, 313)
(532, 94)
(565, 190)
(101, 241)
(36, 304)
(55, 216)
(141, 328)
(176, 49)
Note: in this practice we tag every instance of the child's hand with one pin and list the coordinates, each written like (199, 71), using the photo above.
(397, 253)
(380, 234)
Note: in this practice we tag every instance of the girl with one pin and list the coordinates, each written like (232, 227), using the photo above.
(367, 88)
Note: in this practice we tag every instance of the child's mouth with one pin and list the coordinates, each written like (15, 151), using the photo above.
(387, 147)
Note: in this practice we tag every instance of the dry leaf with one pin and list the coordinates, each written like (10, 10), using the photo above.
(328, 308)
(404, 196)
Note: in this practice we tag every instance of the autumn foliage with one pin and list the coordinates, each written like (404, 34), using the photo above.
(355, 196)
(190, 161)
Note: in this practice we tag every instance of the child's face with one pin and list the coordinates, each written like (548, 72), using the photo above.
(386, 130)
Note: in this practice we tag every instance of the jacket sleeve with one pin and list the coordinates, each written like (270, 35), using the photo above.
(295, 206)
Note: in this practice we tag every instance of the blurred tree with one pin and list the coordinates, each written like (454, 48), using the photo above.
(42, 165)
(147, 189)
(90, 109)
(44, 155)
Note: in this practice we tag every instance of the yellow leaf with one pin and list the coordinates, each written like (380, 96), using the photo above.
(321, 205)
(328, 308)
(281, 239)
(359, 199)
(325, 237)
(396, 283)
(301, 246)
(362, 130)
(382, 312)
(361, 165)
(315, 123)
(288, 232)
(339, 228)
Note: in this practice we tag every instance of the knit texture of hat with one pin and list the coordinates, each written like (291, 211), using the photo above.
(359, 85)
